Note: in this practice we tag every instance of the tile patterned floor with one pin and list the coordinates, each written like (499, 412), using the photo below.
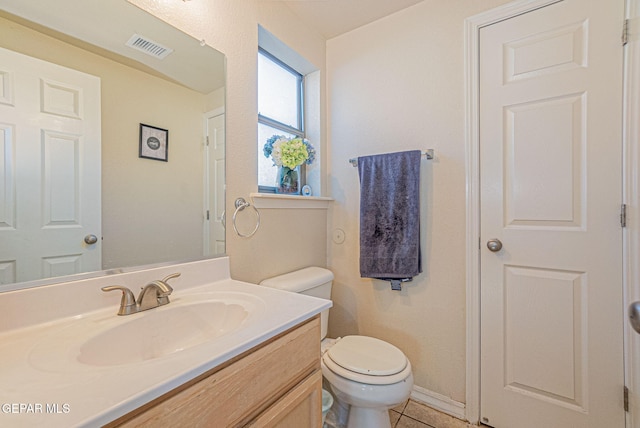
(415, 415)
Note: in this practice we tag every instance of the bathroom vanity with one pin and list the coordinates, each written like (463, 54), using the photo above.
(221, 353)
(276, 384)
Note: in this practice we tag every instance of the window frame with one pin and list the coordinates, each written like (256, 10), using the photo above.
(273, 123)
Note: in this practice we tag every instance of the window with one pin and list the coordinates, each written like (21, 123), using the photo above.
(280, 110)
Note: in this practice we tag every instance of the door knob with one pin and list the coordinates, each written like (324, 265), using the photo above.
(494, 245)
(90, 239)
(634, 316)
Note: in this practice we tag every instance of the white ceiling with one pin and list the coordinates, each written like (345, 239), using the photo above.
(108, 24)
(334, 17)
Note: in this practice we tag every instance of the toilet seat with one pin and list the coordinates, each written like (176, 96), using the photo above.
(367, 360)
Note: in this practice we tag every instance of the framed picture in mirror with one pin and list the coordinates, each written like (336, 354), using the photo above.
(154, 143)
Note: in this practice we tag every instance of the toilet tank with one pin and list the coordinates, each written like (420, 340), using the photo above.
(312, 281)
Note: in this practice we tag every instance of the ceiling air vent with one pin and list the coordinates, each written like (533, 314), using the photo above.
(148, 46)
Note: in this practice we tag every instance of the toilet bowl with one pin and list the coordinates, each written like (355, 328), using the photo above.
(368, 376)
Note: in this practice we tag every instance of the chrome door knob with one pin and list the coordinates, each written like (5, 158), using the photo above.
(494, 245)
(90, 239)
(634, 316)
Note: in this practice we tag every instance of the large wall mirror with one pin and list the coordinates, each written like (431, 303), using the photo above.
(111, 141)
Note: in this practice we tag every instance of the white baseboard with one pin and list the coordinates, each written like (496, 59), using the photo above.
(439, 402)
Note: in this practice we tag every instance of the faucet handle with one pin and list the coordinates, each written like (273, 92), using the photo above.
(173, 275)
(165, 287)
(128, 301)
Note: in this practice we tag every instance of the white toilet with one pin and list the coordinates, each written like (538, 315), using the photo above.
(368, 376)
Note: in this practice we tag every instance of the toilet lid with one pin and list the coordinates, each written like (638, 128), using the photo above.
(367, 355)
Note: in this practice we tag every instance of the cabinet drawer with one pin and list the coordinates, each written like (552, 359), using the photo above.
(236, 393)
(300, 407)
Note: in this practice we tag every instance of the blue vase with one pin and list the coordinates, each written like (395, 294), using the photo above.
(288, 180)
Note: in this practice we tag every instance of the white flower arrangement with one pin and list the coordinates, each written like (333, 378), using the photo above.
(289, 152)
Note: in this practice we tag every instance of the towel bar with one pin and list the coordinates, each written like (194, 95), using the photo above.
(428, 153)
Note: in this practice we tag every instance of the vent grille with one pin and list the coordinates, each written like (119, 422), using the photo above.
(148, 46)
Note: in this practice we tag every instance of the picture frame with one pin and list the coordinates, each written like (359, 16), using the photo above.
(154, 143)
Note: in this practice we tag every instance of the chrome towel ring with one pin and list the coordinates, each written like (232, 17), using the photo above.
(241, 204)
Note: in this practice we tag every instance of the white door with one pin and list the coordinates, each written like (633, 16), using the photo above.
(550, 179)
(50, 169)
(215, 185)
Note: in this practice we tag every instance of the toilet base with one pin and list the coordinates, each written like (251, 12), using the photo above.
(368, 405)
(368, 417)
(341, 412)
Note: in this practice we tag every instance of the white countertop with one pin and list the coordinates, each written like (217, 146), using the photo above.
(43, 384)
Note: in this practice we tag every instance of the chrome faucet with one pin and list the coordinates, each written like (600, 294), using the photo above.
(154, 294)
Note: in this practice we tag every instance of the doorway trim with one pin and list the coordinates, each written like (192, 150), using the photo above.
(206, 198)
(472, 28)
(631, 197)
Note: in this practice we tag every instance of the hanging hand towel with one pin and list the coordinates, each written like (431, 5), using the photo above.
(390, 216)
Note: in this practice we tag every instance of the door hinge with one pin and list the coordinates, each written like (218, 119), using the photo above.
(625, 32)
(207, 215)
(623, 215)
(207, 140)
(626, 399)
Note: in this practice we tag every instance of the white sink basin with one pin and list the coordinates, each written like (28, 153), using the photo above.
(110, 340)
(160, 333)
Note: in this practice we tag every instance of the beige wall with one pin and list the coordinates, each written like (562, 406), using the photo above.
(141, 199)
(287, 239)
(395, 85)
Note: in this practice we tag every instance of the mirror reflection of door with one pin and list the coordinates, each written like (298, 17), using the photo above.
(214, 188)
(50, 143)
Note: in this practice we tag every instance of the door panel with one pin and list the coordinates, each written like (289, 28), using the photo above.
(543, 160)
(550, 300)
(550, 174)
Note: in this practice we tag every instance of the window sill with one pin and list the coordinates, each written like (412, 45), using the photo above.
(273, 200)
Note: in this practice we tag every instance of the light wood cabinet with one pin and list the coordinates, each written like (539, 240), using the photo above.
(276, 384)
(299, 408)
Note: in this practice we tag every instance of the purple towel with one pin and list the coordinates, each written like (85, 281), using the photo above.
(390, 216)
